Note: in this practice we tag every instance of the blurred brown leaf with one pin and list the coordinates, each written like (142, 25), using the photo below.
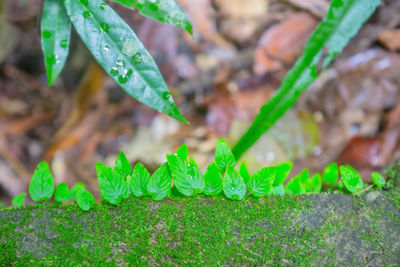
(281, 44)
(390, 39)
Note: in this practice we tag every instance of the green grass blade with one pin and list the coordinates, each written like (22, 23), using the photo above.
(342, 22)
(121, 54)
(56, 31)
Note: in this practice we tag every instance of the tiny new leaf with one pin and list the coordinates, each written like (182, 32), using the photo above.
(296, 185)
(42, 183)
(331, 174)
(121, 54)
(187, 176)
(113, 187)
(351, 179)
(261, 182)
(85, 199)
(56, 31)
(378, 179)
(244, 172)
(62, 193)
(314, 184)
(18, 200)
(233, 185)
(282, 171)
(213, 180)
(223, 156)
(182, 152)
(122, 165)
(139, 180)
(159, 185)
(74, 190)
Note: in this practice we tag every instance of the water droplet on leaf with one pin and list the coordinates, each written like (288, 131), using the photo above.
(46, 34)
(86, 14)
(166, 95)
(114, 71)
(64, 43)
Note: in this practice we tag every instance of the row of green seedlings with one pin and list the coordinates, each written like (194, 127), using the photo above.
(118, 183)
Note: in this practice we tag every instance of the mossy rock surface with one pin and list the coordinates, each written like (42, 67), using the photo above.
(314, 230)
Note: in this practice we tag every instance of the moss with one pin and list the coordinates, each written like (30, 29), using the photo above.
(301, 231)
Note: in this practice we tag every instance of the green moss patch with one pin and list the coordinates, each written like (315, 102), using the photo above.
(307, 230)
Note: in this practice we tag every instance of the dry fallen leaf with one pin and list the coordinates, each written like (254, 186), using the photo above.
(281, 44)
(390, 39)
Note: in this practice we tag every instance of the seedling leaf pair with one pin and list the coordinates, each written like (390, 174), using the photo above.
(139, 180)
(223, 156)
(41, 186)
(233, 185)
(62, 193)
(261, 182)
(18, 200)
(112, 186)
(351, 179)
(159, 185)
(187, 176)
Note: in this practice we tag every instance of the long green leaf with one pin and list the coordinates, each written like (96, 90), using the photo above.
(121, 54)
(166, 11)
(56, 31)
(41, 186)
(343, 20)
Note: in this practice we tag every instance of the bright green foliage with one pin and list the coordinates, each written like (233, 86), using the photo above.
(182, 152)
(314, 184)
(341, 23)
(167, 11)
(85, 199)
(74, 190)
(159, 185)
(62, 193)
(187, 176)
(138, 181)
(331, 174)
(351, 179)
(112, 186)
(233, 185)
(282, 171)
(296, 186)
(42, 183)
(122, 166)
(56, 31)
(213, 180)
(244, 172)
(121, 54)
(223, 156)
(261, 182)
(18, 200)
(378, 179)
